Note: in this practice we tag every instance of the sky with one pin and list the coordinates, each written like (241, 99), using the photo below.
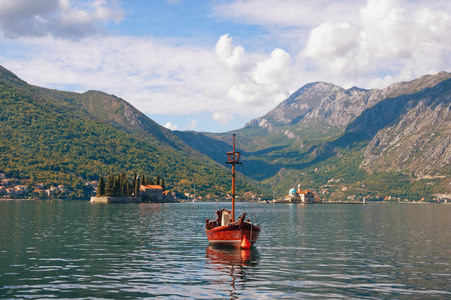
(215, 65)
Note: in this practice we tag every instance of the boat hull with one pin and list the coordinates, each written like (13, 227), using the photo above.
(233, 235)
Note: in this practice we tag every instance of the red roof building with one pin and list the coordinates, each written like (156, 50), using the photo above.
(154, 192)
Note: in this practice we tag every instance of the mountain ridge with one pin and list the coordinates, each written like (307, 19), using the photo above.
(326, 94)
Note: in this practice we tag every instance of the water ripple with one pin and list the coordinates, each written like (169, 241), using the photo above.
(77, 250)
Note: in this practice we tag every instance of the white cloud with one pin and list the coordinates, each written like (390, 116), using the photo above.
(192, 125)
(391, 38)
(331, 39)
(384, 27)
(59, 18)
(352, 42)
(274, 70)
(232, 56)
(287, 13)
(255, 81)
(222, 117)
(155, 76)
(171, 126)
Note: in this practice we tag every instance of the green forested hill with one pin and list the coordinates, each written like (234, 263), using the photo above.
(118, 113)
(55, 141)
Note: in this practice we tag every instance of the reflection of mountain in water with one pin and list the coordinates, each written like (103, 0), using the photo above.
(231, 267)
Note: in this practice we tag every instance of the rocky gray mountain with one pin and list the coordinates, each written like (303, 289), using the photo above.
(410, 132)
(324, 104)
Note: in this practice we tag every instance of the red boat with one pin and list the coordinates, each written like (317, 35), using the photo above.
(225, 230)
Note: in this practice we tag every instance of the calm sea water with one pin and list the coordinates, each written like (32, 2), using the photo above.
(74, 249)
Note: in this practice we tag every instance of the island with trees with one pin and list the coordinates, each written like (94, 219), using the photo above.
(119, 189)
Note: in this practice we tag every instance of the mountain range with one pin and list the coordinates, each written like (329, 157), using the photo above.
(336, 141)
(392, 141)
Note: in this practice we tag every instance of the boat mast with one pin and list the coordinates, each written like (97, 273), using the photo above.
(233, 159)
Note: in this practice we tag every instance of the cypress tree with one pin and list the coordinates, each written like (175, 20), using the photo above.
(123, 184)
(101, 187)
(130, 188)
(157, 181)
(137, 187)
(143, 180)
(162, 184)
(109, 190)
(133, 184)
(117, 186)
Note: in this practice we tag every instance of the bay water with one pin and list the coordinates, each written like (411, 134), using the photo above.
(79, 250)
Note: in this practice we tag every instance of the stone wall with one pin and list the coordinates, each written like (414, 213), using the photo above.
(116, 199)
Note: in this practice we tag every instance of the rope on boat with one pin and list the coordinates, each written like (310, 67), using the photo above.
(250, 203)
(251, 236)
(238, 174)
(216, 208)
(245, 183)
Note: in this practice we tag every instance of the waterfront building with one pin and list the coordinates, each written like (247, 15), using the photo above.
(300, 196)
(153, 192)
(168, 196)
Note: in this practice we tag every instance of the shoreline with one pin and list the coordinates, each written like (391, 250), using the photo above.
(269, 202)
(40, 199)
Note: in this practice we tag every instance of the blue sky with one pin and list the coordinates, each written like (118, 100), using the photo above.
(216, 65)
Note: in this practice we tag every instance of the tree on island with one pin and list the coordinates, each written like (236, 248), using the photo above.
(109, 190)
(101, 187)
(123, 181)
(135, 176)
(147, 181)
(119, 186)
(136, 187)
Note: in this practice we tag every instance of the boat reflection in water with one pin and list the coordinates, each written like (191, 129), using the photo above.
(231, 267)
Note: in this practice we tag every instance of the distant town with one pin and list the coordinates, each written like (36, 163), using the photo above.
(327, 193)
(14, 188)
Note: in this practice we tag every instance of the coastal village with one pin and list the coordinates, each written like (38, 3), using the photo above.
(15, 188)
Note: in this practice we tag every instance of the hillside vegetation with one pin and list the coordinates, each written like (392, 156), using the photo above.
(56, 138)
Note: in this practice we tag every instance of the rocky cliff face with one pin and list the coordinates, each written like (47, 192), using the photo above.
(327, 104)
(411, 132)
